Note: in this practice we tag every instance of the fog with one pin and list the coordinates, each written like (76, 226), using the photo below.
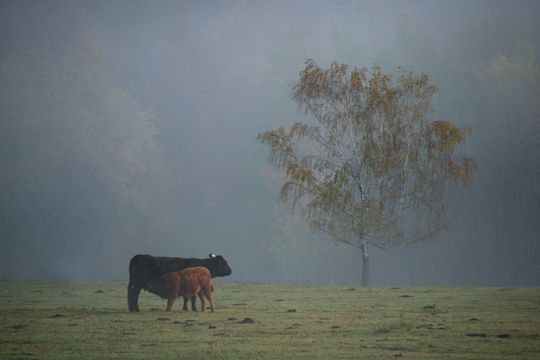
(129, 127)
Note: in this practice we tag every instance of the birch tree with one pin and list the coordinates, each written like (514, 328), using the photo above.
(369, 167)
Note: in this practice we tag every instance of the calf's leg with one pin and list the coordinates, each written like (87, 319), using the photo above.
(203, 305)
(208, 294)
(170, 303)
(185, 303)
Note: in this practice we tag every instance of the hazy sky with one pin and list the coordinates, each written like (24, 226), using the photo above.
(214, 74)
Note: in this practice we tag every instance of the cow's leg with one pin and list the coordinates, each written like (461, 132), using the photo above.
(193, 300)
(203, 305)
(185, 303)
(133, 296)
(170, 303)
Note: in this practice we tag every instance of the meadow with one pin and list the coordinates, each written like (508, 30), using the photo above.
(264, 321)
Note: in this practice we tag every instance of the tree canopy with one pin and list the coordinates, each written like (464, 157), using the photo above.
(369, 166)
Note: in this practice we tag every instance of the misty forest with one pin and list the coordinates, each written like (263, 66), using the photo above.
(308, 142)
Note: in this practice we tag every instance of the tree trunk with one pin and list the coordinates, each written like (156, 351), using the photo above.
(365, 264)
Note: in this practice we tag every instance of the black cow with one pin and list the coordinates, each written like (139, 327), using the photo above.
(143, 268)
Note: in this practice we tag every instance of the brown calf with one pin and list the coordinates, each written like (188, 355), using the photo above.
(186, 283)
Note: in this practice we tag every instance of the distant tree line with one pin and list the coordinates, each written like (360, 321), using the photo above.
(81, 168)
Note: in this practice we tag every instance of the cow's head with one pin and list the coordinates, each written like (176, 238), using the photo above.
(219, 265)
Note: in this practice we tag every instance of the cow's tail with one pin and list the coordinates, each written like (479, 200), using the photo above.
(132, 270)
(212, 288)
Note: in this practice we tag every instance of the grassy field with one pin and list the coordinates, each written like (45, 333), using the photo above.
(90, 320)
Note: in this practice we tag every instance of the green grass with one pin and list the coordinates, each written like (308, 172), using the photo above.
(56, 321)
